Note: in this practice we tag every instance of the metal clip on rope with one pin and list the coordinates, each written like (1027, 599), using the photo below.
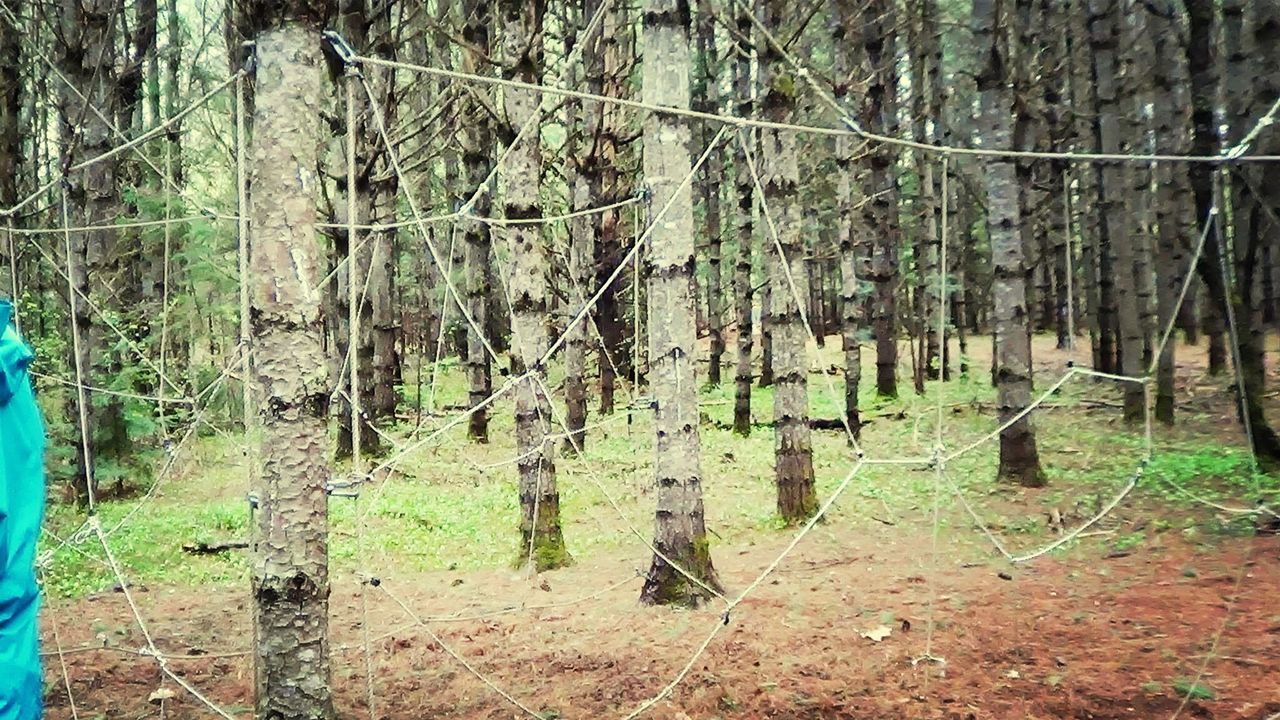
(343, 50)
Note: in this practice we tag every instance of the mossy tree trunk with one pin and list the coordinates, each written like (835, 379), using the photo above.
(680, 532)
(522, 60)
(788, 281)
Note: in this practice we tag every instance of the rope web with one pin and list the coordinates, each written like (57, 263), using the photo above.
(381, 474)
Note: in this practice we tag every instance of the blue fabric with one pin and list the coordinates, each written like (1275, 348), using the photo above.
(22, 442)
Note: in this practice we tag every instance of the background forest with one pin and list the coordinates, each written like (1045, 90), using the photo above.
(363, 305)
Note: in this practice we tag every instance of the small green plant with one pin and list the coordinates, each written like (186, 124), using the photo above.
(1193, 690)
(1152, 687)
(1130, 541)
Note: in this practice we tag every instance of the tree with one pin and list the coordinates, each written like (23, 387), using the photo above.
(1172, 191)
(850, 234)
(1116, 213)
(1019, 457)
(680, 533)
(710, 183)
(880, 115)
(581, 229)
(744, 192)
(788, 281)
(86, 108)
(542, 542)
(290, 568)
(1252, 61)
(477, 141)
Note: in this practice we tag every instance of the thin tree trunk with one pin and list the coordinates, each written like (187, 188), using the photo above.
(1205, 140)
(880, 115)
(291, 564)
(744, 193)
(615, 360)
(1103, 38)
(788, 282)
(1019, 457)
(680, 531)
(477, 152)
(1172, 124)
(709, 186)
(542, 542)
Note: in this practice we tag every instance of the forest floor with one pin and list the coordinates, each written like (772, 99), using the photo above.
(1164, 609)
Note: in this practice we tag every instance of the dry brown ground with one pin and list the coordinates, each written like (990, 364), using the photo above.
(1087, 634)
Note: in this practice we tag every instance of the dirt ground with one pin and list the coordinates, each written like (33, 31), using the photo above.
(1086, 636)
(844, 630)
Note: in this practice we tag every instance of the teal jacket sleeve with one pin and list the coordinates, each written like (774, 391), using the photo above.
(22, 496)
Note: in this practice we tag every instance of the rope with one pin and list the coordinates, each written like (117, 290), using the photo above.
(457, 657)
(1233, 330)
(723, 620)
(152, 650)
(1236, 154)
(1217, 636)
(127, 225)
(354, 302)
(801, 302)
(113, 393)
(62, 657)
(82, 399)
(852, 129)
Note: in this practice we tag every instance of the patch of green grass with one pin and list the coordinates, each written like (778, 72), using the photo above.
(1193, 690)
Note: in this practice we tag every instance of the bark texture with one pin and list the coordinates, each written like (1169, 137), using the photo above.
(788, 282)
(744, 193)
(1019, 457)
(680, 531)
(1115, 200)
(880, 115)
(291, 564)
(477, 154)
(541, 539)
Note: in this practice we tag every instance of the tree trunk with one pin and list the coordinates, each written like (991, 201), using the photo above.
(477, 158)
(11, 140)
(880, 115)
(851, 236)
(615, 360)
(788, 282)
(710, 181)
(1019, 457)
(88, 33)
(542, 542)
(291, 563)
(1172, 123)
(744, 192)
(1250, 31)
(1205, 141)
(680, 533)
(1117, 222)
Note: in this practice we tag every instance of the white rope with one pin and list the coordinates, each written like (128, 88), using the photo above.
(459, 658)
(82, 399)
(62, 657)
(723, 621)
(801, 302)
(127, 225)
(852, 129)
(1222, 629)
(153, 651)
